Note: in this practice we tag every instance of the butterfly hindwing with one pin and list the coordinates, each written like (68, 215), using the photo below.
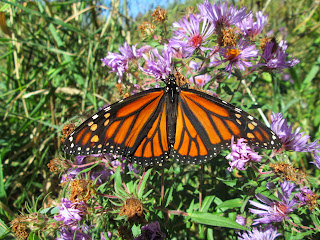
(209, 122)
(123, 127)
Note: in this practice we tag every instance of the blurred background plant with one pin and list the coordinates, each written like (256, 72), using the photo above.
(51, 74)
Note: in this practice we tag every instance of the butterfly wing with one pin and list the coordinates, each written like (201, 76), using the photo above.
(134, 127)
(206, 124)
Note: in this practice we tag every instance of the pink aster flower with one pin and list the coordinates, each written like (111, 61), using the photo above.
(292, 140)
(275, 59)
(275, 211)
(200, 80)
(119, 62)
(188, 36)
(158, 65)
(241, 155)
(221, 15)
(269, 232)
(71, 213)
(252, 28)
(237, 57)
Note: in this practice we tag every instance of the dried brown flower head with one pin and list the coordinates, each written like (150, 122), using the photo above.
(228, 37)
(19, 227)
(58, 165)
(132, 208)
(66, 130)
(159, 15)
(81, 190)
(147, 29)
(287, 172)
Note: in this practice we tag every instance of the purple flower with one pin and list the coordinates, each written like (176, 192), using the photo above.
(158, 65)
(72, 234)
(241, 155)
(274, 57)
(292, 140)
(275, 211)
(71, 213)
(251, 28)
(268, 233)
(151, 231)
(200, 80)
(237, 56)
(188, 36)
(119, 62)
(220, 15)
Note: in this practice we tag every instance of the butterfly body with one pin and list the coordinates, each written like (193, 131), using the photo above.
(149, 127)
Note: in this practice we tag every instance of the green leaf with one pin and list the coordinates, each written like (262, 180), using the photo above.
(143, 183)
(49, 19)
(215, 220)
(232, 203)
(118, 183)
(3, 228)
(313, 72)
(206, 203)
(136, 230)
(50, 211)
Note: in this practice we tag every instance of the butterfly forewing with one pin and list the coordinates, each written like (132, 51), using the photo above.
(124, 128)
(206, 124)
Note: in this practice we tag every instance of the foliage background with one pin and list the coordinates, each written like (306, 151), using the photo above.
(51, 74)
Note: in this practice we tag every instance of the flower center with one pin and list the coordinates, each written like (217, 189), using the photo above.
(232, 53)
(200, 81)
(282, 208)
(196, 41)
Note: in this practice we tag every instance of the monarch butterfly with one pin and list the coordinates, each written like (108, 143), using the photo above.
(149, 127)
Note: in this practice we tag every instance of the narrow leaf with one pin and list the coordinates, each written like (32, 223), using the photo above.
(215, 220)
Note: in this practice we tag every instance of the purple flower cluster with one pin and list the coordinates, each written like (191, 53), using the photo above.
(71, 213)
(241, 155)
(235, 31)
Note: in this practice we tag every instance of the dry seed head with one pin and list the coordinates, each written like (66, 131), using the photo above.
(132, 207)
(81, 190)
(147, 28)
(159, 15)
